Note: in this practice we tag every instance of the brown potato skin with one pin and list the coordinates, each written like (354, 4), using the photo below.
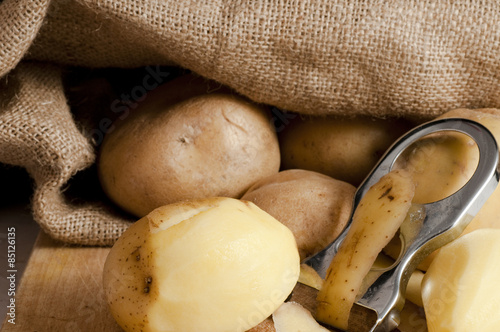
(342, 148)
(314, 206)
(208, 145)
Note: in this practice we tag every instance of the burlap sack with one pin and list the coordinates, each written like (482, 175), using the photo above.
(19, 25)
(321, 56)
(383, 58)
(37, 132)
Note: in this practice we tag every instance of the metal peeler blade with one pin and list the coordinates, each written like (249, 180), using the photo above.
(379, 308)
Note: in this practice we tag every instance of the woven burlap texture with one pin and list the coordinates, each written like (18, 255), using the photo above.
(37, 132)
(377, 57)
(20, 21)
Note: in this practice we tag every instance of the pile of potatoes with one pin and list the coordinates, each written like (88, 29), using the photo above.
(191, 143)
(301, 170)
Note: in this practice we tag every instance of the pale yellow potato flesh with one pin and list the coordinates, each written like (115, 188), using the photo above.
(489, 215)
(292, 317)
(376, 220)
(308, 276)
(414, 288)
(460, 289)
(440, 165)
(217, 264)
(412, 318)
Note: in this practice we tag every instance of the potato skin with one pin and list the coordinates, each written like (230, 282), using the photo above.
(342, 148)
(314, 206)
(223, 261)
(208, 145)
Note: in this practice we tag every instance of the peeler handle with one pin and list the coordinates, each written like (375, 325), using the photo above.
(483, 138)
(444, 220)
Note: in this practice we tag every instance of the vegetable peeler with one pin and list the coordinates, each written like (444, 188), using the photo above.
(378, 309)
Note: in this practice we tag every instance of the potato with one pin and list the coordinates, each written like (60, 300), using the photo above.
(412, 319)
(458, 161)
(303, 295)
(217, 264)
(489, 215)
(314, 206)
(414, 288)
(292, 317)
(376, 220)
(384, 263)
(460, 290)
(343, 148)
(440, 164)
(206, 146)
(309, 277)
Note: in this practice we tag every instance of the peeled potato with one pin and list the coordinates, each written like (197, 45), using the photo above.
(463, 164)
(343, 148)
(314, 206)
(309, 277)
(414, 288)
(440, 164)
(412, 318)
(460, 290)
(489, 215)
(206, 146)
(302, 295)
(218, 265)
(292, 317)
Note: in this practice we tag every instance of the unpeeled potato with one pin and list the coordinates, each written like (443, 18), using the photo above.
(208, 145)
(314, 206)
(343, 148)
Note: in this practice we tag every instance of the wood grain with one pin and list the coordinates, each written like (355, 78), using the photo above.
(61, 290)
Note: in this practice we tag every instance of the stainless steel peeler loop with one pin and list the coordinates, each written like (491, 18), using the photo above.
(444, 221)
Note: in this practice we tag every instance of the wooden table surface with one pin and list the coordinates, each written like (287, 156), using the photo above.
(61, 290)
